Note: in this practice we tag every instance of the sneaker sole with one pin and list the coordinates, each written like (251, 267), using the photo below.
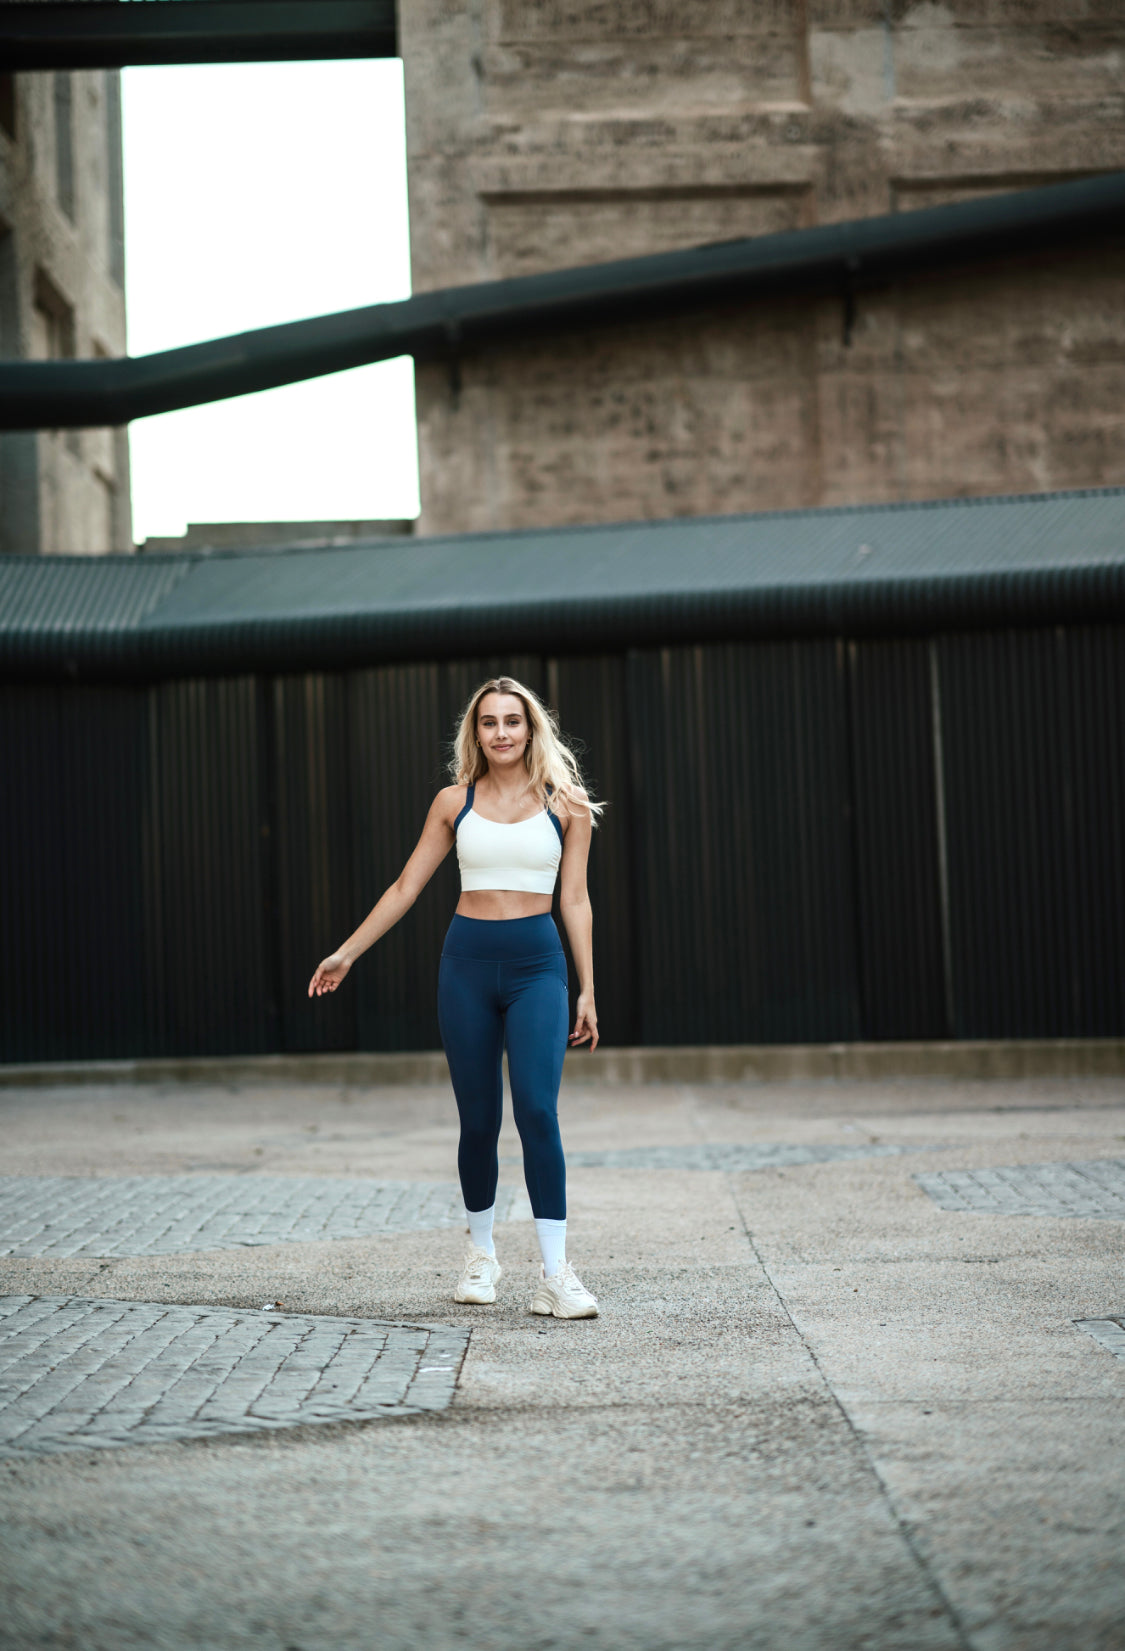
(482, 1299)
(546, 1308)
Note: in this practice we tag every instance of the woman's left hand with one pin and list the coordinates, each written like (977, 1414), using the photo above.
(586, 1021)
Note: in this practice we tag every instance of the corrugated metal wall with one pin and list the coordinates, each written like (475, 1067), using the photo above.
(897, 832)
(808, 841)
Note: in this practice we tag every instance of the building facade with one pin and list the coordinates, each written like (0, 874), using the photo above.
(62, 293)
(548, 133)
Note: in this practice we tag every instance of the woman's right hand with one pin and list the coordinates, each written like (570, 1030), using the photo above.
(328, 975)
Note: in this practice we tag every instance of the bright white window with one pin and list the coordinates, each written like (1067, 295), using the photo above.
(255, 194)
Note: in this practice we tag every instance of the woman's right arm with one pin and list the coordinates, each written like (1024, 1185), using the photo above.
(432, 847)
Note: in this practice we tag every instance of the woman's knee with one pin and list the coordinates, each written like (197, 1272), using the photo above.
(479, 1138)
(538, 1124)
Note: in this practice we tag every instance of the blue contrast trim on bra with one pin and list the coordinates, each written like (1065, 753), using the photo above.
(468, 805)
(553, 817)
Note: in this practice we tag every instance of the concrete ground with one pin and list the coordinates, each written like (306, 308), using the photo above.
(818, 1412)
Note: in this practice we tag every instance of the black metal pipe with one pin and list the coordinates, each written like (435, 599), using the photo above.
(460, 320)
(104, 34)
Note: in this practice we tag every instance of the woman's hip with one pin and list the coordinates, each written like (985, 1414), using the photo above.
(518, 940)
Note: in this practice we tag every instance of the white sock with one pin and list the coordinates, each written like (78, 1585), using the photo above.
(480, 1229)
(552, 1242)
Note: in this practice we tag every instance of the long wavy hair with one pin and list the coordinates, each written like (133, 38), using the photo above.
(552, 768)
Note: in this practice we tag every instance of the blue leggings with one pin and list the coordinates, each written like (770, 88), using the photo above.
(505, 982)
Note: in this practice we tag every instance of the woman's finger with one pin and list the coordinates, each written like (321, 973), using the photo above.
(584, 1028)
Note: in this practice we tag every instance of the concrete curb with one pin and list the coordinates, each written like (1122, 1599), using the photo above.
(735, 1063)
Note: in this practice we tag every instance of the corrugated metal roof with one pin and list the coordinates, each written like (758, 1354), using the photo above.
(58, 594)
(866, 569)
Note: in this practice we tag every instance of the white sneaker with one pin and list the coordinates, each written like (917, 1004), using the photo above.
(480, 1275)
(564, 1296)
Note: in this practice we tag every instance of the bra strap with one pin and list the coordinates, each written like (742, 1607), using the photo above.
(552, 816)
(469, 795)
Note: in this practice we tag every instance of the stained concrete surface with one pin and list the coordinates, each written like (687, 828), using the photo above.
(817, 1410)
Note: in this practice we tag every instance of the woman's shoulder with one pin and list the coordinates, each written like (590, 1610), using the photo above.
(569, 804)
(449, 802)
(574, 794)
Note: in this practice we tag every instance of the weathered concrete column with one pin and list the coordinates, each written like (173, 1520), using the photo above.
(547, 134)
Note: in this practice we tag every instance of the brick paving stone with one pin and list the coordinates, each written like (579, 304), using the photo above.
(145, 1371)
(736, 1158)
(1110, 1332)
(134, 1215)
(1094, 1190)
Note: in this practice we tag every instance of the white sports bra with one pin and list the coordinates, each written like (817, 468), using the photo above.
(523, 855)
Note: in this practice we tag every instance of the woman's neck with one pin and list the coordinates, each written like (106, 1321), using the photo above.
(508, 789)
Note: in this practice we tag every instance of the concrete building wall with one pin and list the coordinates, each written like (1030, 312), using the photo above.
(62, 294)
(276, 535)
(545, 133)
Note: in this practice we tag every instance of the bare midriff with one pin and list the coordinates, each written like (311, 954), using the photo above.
(494, 905)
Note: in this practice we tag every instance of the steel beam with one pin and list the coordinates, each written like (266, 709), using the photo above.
(107, 34)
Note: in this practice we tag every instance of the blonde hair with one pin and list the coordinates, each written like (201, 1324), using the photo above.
(552, 768)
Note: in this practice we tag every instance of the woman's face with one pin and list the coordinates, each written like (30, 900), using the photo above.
(502, 730)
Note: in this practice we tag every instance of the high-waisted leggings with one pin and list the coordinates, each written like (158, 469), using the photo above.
(504, 982)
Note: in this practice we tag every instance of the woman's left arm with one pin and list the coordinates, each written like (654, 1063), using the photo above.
(574, 904)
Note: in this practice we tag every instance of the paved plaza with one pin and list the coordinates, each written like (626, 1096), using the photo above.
(1110, 1332)
(81, 1373)
(732, 1157)
(858, 1383)
(76, 1215)
(1095, 1190)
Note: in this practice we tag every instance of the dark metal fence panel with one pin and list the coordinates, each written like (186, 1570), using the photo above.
(1095, 665)
(399, 722)
(806, 841)
(787, 713)
(746, 915)
(591, 698)
(666, 961)
(897, 841)
(1004, 715)
(71, 959)
(310, 853)
(212, 968)
(595, 696)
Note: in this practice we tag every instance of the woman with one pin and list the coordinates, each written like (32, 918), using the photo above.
(516, 811)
